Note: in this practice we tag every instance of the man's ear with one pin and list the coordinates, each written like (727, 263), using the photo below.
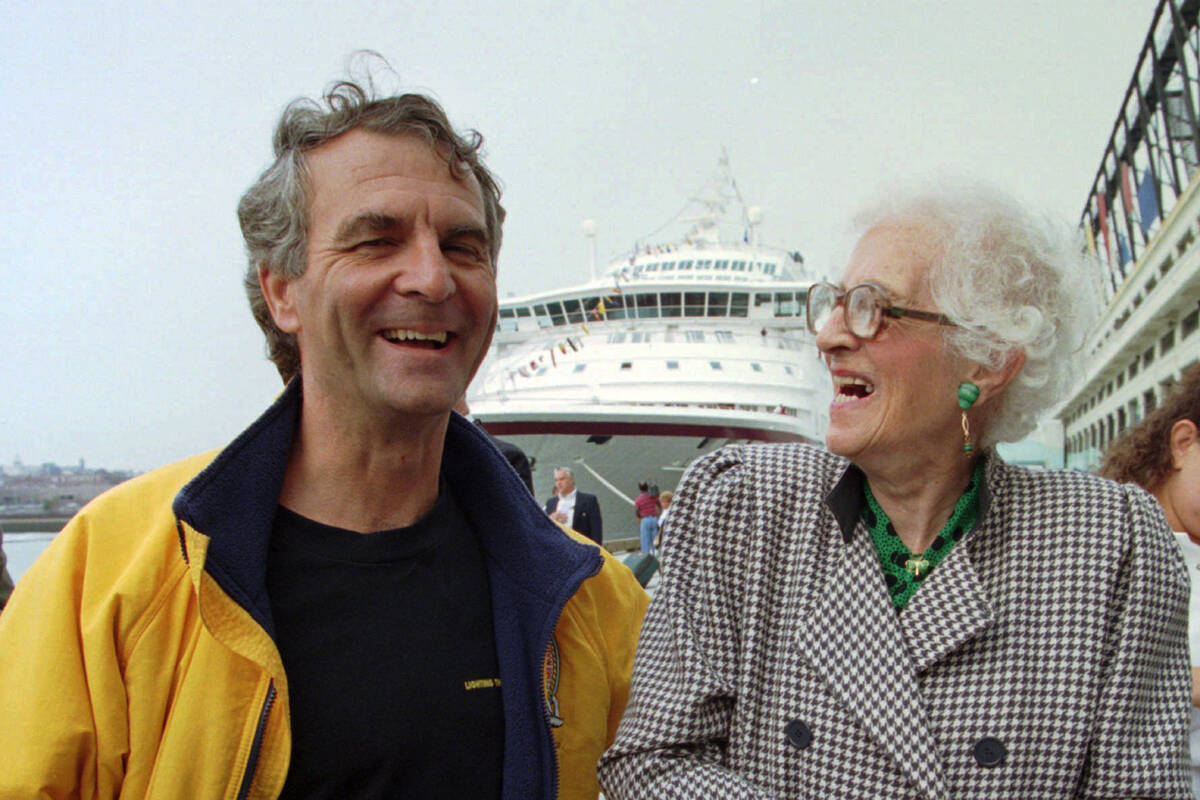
(279, 292)
(1183, 435)
(991, 382)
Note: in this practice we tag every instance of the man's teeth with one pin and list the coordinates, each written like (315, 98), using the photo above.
(404, 335)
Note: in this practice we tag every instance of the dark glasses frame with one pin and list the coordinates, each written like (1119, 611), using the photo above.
(882, 304)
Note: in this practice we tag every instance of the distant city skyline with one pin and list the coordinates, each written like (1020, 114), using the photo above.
(132, 131)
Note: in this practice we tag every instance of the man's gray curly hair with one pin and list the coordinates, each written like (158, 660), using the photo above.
(274, 211)
(1011, 281)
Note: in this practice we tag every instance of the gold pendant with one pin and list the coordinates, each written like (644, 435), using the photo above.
(916, 565)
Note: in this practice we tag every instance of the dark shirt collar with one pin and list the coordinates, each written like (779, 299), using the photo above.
(846, 498)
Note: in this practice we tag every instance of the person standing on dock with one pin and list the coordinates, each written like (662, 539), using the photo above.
(577, 510)
(357, 597)
(645, 508)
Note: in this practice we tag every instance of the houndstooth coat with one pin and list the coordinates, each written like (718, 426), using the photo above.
(1045, 657)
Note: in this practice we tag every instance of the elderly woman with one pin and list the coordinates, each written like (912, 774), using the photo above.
(907, 616)
(1162, 455)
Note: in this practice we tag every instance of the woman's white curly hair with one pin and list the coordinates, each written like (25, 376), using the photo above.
(1011, 280)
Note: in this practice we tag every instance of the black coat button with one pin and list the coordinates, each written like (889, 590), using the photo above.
(798, 734)
(989, 752)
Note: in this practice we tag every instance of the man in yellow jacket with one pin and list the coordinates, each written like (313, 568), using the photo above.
(357, 597)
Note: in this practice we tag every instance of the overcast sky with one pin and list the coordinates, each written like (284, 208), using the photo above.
(131, 131)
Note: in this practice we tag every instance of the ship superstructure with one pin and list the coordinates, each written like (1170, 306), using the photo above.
(678, 348)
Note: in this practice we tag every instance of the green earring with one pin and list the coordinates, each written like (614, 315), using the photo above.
(968, 393)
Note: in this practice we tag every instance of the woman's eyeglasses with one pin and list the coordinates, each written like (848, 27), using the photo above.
(865, 307)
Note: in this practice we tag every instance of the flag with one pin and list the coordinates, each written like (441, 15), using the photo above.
(574, 347)
(1126, 194)
(1102, 211)
(553, 360)
(1091, 237)
(1147, 201)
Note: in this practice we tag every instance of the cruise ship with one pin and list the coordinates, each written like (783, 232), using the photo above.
(1141, 218)
(677, 348)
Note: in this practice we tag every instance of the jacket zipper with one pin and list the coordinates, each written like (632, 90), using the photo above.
(546, 716)
(256, 746)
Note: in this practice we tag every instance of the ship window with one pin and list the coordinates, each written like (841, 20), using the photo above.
(639, 338)
(717, 302)
(762, 299)
(756, 367)
(739, 266)
(592, 304)
(693, 304)
(1148, 356)
(614, 307)
(672, 365)
(715, 364)
(704, 263)
(670, 304)
(1167, 341)
(769, 269)
(652, 267)
(638, 269)
(725, 336)
(695, 337)
(788, 370)
(647, 305)
(574, 310)
(556, 313)
(626, 365)
(543, 318)
(668, 266)
(785, 304)
(1190, 323)
(739, 304)
(580, 367)
(507, 313)
(721, 264)
(524, 311)
(508, 320)
(685, 264)
(616, 338)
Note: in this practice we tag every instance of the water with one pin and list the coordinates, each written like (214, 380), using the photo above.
(23, 549)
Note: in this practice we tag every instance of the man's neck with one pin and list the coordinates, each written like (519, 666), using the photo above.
(360, 476)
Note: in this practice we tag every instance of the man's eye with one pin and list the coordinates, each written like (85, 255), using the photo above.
(374, 243)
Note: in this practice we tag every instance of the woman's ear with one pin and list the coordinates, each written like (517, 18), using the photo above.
(991, 382)
(279, 292)
(1183, 436)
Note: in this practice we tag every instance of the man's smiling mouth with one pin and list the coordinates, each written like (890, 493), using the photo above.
(433, 341)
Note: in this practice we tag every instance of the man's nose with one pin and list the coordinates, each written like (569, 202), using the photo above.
(425, 270)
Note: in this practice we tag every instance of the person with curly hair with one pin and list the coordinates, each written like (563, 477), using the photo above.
(904, 614)
(1162, 455)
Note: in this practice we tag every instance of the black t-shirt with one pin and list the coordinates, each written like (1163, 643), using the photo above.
(390, 657)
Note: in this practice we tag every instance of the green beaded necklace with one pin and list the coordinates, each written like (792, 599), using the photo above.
(904, 571)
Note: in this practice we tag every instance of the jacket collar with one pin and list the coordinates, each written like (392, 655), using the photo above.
(233, 501)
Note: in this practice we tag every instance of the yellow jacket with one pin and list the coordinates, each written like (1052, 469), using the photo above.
(135, 657)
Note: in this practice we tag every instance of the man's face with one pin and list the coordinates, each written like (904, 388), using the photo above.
(397, 304)
(564, 484)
